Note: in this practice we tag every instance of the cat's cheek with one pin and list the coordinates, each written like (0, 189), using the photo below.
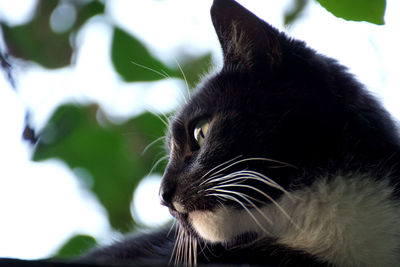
(221, 225)
(213, 226)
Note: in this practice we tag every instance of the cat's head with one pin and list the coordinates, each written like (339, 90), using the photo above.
(275, 117)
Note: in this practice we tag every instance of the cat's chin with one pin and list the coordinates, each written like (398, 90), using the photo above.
(223, 225)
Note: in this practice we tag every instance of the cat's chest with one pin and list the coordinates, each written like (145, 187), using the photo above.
(346, 220)
(349, 220)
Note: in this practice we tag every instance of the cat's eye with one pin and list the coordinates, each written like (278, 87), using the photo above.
(200, 131)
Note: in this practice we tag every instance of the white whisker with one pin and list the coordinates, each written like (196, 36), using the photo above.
(219, 188)
(175, 249)
(184, 78)
(241, 204)
(194, 240)
(216, 167)
(163, 120)
(246, 197)
(252, 175)
(158, 162)
(165, 73)
(150, 69)
(251, 159)
(182, 247)
(152, 143)
(172, 227)
(190, 250)
(262, 193)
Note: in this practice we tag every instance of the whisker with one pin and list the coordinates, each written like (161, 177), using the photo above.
(159, 117)
(251, 159)
(172, 227)
(264, 194)
(163, 120)
(165, 76)
(218, 176)
(186, 239)
(194, 240)
(184, 78)
(216, 167)
(190, 250)
(179, 251)
(220, 204)
(208, 249)
(181, 247)
(244, 207)
(263, 178)
(157, 163)
(247, 174)
(246, 197)
(219, 188)
(152, 143)
(175, 249)
(240, 178)
(165, 73)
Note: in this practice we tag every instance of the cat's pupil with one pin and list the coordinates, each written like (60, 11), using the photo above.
(200, 131)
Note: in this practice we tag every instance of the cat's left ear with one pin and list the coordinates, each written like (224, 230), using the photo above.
(245, 39)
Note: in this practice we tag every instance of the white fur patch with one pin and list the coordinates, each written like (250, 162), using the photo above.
(347, 221)
(179, 207)
(221, 225)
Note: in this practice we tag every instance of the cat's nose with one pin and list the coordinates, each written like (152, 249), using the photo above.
(167, 191)
(165, 197)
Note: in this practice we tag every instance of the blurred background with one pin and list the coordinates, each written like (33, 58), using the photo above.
(86, 88)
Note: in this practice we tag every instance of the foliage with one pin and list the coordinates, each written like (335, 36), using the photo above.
(76, 246)
(110, 155)
(37, 42)
(359, 10)
(125, 46)
(372, 11)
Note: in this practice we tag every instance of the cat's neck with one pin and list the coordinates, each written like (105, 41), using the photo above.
(349, 220)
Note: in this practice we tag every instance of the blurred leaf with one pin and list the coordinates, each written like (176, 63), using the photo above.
(76, 246)
(294, 13)
(358, 10)
(87, 11)
(37, 42)
(193, 68)
(5, 66)
(133, 61)
(112, 154)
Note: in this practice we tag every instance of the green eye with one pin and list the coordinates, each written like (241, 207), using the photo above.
(200, 131)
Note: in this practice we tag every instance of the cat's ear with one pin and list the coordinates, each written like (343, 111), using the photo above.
(245, 39)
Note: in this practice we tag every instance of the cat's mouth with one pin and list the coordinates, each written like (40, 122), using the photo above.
(179, 207)
(219, 225)
(178, 211)
(176, 214)
(204, 223)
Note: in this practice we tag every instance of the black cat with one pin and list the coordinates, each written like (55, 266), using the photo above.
(281, 158)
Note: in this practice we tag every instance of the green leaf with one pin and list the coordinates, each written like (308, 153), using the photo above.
(76, 246)
(111, 154)
(358, 10)
(295, 12)
(193, 68)
(36, 41)
(88, 11)
(133, 61)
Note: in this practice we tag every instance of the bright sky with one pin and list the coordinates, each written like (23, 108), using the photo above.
(54, 206)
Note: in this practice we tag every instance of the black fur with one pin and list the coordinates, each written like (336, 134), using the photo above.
(276, 98)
